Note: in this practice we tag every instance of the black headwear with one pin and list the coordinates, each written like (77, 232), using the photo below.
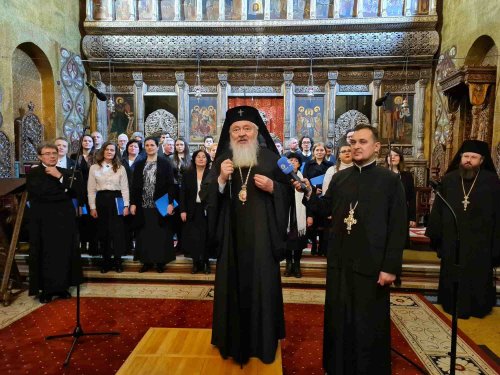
(296, 155)
(478, 147)
(239, 114)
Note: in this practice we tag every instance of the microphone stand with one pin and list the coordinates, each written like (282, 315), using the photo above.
(78, 331)
(456, 271)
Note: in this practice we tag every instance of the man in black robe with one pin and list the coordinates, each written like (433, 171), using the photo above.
(247, 202)
(368, 208)
(471, 187)
(54, 262)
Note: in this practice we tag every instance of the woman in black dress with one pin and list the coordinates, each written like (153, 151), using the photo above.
(86, 224)
(193, 213)
(396, 163)
(180, 160)
(315, 167)
(153, 178)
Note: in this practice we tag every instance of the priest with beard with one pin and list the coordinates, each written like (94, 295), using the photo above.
(369, 228)
(247, 199)
(472, 188)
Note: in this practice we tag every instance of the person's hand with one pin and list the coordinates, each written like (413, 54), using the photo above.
(125, 211)
(170, 209)
(183, 216)
(263, 183)
(305, 181)
(385, 278)
(226, 169)
(413, 224)
(133, 209)
(79, 211)
(52, 171)
(93, 213)
(309, 221)
(318, 191)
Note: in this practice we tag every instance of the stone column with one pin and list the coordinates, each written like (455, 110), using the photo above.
(359, 9)
(89, 10)
(267, 9)
(383, 6)
(222, 104)
(419, 118)
(182, 89)
(331, 87)
(244, 9)
(139, 100)
(199, 10)
(177, 10)
(156, 10)
(312, 10)
(289, 10)
(288, 101)
(378, 75)
(222, 10)
(432, 7)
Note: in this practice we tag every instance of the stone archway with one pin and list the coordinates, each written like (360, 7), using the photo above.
(33, 81)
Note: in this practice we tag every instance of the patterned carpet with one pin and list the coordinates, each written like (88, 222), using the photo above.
(419, 331)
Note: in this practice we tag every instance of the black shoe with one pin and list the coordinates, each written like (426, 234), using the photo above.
(105, 269)
(44, 298)
(119, 268)
(64, 295)
(397, 282)
(160, 268)
(288, 268)
(195, 268)
(296, 270)
(206, 267)
(144, 268)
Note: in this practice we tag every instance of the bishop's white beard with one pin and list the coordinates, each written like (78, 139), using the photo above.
(245, 155)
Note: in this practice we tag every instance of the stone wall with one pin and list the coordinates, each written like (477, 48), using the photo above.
(464, 22)
(41, 28)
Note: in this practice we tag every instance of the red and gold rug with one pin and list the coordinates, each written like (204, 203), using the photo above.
(418, 330)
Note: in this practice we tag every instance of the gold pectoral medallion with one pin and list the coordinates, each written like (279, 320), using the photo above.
(242, 195)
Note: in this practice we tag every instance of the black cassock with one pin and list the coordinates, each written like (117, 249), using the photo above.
(248, 316)
(357, 316)
(479, 228)
(54, 259)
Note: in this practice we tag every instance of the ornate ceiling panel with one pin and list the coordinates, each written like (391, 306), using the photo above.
(239, 49)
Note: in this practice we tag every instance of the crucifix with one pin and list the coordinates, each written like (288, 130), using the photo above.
(466, 202)
(240, 112)
(350, 220)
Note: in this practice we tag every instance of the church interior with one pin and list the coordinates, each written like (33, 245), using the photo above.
(314, 68)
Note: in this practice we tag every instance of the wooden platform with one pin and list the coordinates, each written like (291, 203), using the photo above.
(187, 351)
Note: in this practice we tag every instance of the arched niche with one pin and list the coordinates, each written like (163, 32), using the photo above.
(482, 52)
(33, 81)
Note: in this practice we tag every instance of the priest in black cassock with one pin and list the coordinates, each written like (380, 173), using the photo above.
(54, 260)
(247, 200)
(369, 228)
(472, 188)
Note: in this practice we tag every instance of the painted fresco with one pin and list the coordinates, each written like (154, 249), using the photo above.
(392, 126)
(309, 117)
(122, 119)
(203, 117)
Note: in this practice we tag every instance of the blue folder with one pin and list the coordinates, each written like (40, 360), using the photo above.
(317, 180)
(162, 204)
(119, 205)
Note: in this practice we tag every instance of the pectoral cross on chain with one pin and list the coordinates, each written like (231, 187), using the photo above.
(350, 220)
(465, 202)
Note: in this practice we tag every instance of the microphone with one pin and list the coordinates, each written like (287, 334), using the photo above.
(435, 185)
(287, 168)
(97, 93)
(382, 99)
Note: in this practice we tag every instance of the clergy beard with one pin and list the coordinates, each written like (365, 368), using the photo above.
(245, 155)
(468, 173)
